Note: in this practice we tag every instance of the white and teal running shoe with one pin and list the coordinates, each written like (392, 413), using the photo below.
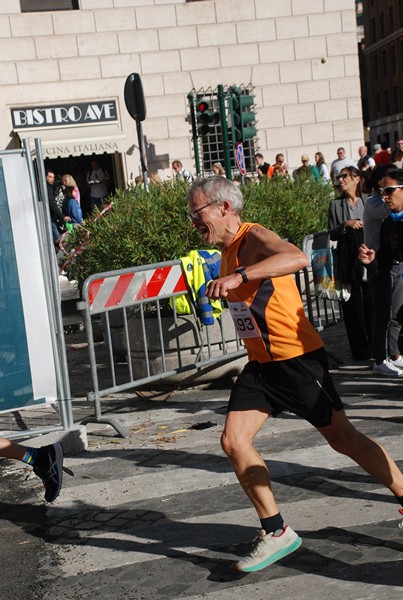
(269, 548)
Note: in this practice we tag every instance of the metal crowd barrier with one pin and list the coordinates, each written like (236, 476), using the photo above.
(147, 347)
(144, 347)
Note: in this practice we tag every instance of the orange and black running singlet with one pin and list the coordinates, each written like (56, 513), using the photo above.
(268, 313)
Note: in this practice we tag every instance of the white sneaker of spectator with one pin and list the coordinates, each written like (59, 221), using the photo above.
(398, 362)
(387, 369)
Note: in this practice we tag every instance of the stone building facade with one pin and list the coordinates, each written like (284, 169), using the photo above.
(300, 57)
(383, 59)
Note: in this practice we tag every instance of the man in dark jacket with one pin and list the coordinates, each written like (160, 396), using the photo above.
(56, 214)
(387, 261)
(261, 166)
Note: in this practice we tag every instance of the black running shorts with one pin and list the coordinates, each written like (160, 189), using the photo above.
(301, 385)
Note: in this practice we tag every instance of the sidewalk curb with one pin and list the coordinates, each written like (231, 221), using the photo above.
(73, 441)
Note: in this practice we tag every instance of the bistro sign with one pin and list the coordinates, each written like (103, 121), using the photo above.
(64, 115)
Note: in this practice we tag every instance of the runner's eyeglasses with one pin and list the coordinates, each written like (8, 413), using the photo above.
(194, 216)
(389, 189)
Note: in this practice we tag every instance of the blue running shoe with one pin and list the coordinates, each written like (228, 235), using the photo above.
(49, 467)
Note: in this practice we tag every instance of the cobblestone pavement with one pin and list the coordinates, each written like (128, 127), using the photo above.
(160, 515)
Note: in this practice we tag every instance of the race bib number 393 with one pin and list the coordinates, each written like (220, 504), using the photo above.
(244, 320)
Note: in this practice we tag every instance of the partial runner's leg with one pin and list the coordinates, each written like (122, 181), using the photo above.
(251, 470)
(369, 454)
(10, 449)
(272, 543)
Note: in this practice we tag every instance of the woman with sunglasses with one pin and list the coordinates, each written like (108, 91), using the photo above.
(387, 262)
(345, 224)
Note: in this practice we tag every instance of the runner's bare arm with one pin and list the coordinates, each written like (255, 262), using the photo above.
(264, 255)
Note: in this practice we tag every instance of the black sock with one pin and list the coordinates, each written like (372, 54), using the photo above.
(400, 499)
(272, 524)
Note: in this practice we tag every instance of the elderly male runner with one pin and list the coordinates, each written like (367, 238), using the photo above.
(287, 368)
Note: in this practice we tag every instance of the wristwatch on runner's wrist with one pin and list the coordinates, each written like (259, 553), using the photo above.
(242, 272)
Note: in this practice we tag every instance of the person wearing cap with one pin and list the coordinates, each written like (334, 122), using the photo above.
(341, 162)
(381, 154)
(306, 170)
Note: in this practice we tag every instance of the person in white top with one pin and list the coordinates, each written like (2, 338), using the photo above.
(322, 167)
(181, 173)
(341, 162)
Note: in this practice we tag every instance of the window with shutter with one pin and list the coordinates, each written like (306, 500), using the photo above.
(47, 5)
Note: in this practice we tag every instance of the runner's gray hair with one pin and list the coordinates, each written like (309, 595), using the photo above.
(219, 189)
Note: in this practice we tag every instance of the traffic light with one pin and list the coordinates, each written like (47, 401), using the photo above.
(205, 118)
(242, 118)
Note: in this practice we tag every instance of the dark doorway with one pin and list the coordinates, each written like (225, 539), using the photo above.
(78, 166)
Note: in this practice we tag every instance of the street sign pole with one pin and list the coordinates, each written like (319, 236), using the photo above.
(143, 161)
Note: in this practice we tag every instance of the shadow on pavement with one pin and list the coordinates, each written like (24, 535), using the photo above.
(322, 550)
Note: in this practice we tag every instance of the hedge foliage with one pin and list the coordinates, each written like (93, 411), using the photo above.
(144, 228)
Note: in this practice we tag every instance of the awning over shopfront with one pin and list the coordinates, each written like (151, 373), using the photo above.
(77, 141)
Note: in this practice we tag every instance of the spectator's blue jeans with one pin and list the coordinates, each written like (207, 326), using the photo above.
(55, 232)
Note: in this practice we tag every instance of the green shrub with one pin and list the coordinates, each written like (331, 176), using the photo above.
(291, 208)
(141, 228)
(144, 228)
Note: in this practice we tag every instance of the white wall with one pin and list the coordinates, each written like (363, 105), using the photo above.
(300, 57)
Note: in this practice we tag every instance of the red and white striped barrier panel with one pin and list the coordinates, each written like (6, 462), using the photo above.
(123, 290)
(70, 254)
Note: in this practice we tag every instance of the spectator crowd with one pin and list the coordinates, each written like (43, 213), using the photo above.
(365, 219)
(365, 222)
